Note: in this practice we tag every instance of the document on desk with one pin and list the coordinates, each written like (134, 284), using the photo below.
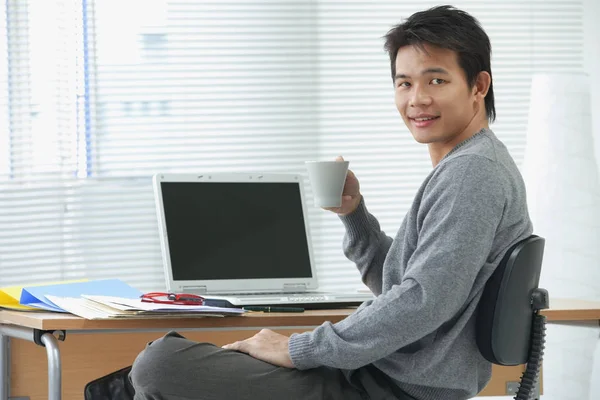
(37, 296)
(139, 305)
(107, 307)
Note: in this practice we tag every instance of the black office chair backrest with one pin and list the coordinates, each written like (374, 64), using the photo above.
(510, 330)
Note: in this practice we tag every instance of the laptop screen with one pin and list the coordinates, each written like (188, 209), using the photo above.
(235, 230)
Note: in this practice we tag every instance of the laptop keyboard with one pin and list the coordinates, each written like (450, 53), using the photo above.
(256, 294)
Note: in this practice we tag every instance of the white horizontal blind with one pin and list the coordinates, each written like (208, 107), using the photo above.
(40, 124)
(4, 138)
(38, 127)
(203, 85)
(254, 86)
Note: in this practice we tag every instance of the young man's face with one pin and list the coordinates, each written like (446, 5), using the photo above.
(433, 96)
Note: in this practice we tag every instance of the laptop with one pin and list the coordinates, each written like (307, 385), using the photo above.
(240, 240)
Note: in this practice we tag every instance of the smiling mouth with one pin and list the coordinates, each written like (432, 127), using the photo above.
(424, 122)
(424, 119)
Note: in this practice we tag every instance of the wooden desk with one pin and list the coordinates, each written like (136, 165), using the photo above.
(95, 348)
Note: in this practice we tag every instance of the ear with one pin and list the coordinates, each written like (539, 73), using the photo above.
(482, 85)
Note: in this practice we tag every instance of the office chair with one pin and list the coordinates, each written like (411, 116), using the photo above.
(510, 329)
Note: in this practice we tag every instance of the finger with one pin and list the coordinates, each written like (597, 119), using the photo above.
(346, 197)
(233, 346)
(339, 158)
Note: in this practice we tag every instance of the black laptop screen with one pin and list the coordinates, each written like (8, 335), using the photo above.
(219, 230)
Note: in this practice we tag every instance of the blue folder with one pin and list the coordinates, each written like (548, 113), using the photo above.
(35, 296)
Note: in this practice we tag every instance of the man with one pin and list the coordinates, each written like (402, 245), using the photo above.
(416, 339)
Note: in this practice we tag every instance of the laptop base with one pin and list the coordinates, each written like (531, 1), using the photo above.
(302, 302)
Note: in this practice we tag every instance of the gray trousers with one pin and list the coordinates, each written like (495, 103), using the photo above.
(175, 368)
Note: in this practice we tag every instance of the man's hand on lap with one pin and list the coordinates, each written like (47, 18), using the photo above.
(267, 346)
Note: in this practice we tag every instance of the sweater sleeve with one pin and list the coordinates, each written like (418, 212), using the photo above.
(366, 245)
(460, 211)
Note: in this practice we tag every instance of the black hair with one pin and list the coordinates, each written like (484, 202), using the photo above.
(448, 28)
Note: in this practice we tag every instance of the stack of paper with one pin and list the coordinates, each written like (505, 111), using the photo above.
(102, 307)
(97, 299)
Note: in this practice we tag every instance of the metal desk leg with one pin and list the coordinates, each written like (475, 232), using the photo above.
(54, 366)
(39, 337)
(4, 368)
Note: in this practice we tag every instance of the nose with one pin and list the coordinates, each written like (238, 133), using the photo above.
(419, 97)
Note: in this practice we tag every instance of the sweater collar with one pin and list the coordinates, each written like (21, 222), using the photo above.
(482, 132)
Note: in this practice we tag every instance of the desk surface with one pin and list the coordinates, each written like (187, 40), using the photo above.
(560, 310)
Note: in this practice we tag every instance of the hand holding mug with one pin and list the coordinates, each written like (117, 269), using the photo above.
(335, 188)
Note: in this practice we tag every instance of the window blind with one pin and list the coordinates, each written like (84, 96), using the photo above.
(233, 86)
(38, 129)
(4, 142)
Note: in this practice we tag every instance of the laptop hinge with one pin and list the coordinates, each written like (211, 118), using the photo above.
(294, 287)
(194, 289)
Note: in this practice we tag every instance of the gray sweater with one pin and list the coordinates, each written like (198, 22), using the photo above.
(419, 330)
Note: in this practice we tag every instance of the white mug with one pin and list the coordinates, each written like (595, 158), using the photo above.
(327, 179)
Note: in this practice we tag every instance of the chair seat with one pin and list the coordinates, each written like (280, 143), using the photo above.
(114, 386)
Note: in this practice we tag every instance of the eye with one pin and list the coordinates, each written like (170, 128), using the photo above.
(437, 81)
(403, 84)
